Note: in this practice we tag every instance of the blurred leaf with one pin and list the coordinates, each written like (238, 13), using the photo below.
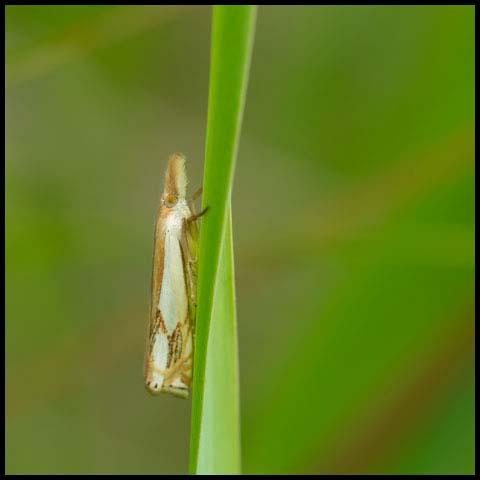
(109, 25)
(445, 444)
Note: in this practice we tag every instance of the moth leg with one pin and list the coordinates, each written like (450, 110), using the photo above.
(194, 198)
(196, 216)
(196, 195)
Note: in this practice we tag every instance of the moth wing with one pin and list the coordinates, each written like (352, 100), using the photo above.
(157, 270)
(173, 302)
(171, 332)
(189, 245)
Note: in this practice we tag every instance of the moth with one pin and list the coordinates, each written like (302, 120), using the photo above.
(169, 356)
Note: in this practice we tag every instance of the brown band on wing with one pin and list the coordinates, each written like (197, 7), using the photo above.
(161, 323)
(178, 346)
(182, 369)
(174, 346)
(158, 264)
(157, 325)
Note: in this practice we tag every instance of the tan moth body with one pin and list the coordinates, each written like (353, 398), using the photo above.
(168, 364)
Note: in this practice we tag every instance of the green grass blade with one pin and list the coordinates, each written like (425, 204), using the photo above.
(215, 435)
(219, 448)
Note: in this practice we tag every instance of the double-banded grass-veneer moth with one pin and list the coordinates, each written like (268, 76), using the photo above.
(169, 358)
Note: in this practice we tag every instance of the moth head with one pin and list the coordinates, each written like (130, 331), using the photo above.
(175, 180)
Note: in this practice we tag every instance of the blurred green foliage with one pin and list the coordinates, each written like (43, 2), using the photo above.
(353, 221)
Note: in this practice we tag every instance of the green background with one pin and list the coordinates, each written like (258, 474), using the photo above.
(353, 223)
